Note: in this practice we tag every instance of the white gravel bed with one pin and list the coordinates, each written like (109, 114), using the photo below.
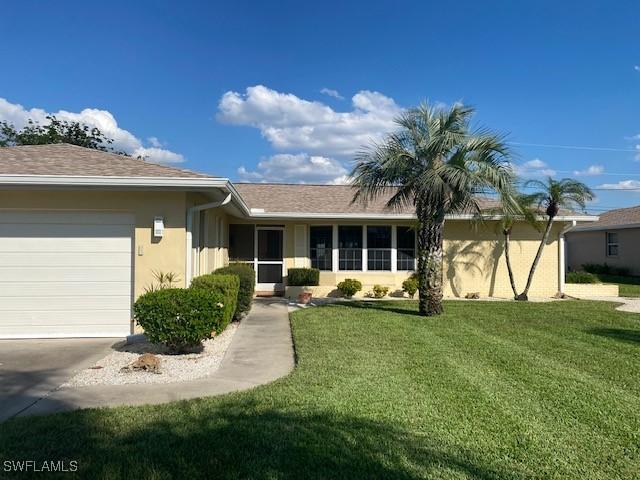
(173, 368)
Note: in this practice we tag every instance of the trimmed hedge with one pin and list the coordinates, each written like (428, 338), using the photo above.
(606, 269)
(410, 285)
(581, 277)
(303, 277)
(349, 287)
(228, 286)
(247, 285)
(180, 318)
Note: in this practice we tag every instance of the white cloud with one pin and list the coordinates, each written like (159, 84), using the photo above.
(534, 168)
(590, 171)
(622, 185)
(290, 123)
(296, 168)
(332, 93)
(102, 119)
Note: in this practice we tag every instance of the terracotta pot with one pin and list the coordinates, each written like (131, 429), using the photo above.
(304, 297)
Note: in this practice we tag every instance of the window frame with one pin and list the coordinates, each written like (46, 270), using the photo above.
(361, 249)
(386, 251)
(398, 249)
(609, 244)
(329, 227)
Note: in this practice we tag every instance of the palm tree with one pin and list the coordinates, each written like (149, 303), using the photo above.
(552, 196)
(437, 164)
(515, 207)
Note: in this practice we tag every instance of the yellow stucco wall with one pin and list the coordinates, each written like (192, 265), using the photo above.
(474, 259)
(166, 254)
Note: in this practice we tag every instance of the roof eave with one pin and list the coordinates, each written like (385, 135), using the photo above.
(393, 216)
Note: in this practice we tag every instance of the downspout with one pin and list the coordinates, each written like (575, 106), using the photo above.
(189, 236)
(561, 245)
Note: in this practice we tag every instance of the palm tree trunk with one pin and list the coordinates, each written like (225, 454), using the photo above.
(507, 239)
(430, 256)
(525, 294)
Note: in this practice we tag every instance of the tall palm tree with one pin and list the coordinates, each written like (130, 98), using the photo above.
(553, 195)
(515, 207)
(437, 164)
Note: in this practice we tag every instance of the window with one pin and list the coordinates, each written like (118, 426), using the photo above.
(612, 244)
(378, 248)
(241, 243)
(350, 247)
(406, 240)
(320, 247)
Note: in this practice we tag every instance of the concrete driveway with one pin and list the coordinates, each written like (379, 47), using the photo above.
(31, 369)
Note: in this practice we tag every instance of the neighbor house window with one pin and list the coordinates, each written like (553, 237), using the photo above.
(241, 243)
(612, 244)
(350, 247)
(321, 247)
(406, 242)
(378, 248)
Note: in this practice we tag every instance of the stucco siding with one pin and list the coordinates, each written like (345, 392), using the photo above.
(591, 247)
(166, 254)
(474, 259)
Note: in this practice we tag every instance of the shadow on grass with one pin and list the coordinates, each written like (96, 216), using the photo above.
(411, 307)
(236, 440)
(622, 334)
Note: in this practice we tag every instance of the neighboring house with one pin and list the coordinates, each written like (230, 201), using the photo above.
(614, 239)
(83, 231)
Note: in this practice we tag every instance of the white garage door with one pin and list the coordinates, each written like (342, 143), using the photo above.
(65, 274)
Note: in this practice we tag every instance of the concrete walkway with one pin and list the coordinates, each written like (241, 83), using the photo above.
(261, 351)
(628, 304)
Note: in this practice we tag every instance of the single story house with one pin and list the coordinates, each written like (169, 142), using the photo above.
(614, 239)
(82, 233)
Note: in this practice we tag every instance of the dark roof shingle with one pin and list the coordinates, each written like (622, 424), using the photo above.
(63, 159)
(614, 218)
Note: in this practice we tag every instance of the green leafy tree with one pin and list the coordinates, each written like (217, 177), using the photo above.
(55, 131)
(437, 164)
(553, 195)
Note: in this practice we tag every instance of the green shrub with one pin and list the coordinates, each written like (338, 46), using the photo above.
(379, 291)
(410, 285)
(180, 318)
(606, 269)
(303, 277)
(247, 278)
(581, 277)
(227, 285)
(349, 287)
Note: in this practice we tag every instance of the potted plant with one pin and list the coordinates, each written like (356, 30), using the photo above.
(304, 278)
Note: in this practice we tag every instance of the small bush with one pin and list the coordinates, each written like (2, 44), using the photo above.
(228, 286)
(303, 277)
(581, 277)
(379, 291)
(180, 318)
(349, 287)
(247, 278)
(606, 269)
(410, 285)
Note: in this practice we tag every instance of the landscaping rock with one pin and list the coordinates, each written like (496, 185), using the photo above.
(146, 362)
(472, 295)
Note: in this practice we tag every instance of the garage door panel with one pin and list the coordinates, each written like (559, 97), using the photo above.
(65, 289)
(50, 245)
(65, 218)
(61, 259)
(65, 274)
(18, 230)
(51, 303)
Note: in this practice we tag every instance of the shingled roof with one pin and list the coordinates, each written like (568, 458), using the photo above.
(318, 199)
(619, 218)
(63, 159)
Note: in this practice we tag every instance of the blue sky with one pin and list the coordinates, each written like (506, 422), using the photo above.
(236, 88)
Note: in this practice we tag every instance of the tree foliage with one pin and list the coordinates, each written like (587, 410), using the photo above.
(437, 164)
(55, 131)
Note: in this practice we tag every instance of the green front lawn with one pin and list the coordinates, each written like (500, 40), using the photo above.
(489, 390)
(629, 286)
